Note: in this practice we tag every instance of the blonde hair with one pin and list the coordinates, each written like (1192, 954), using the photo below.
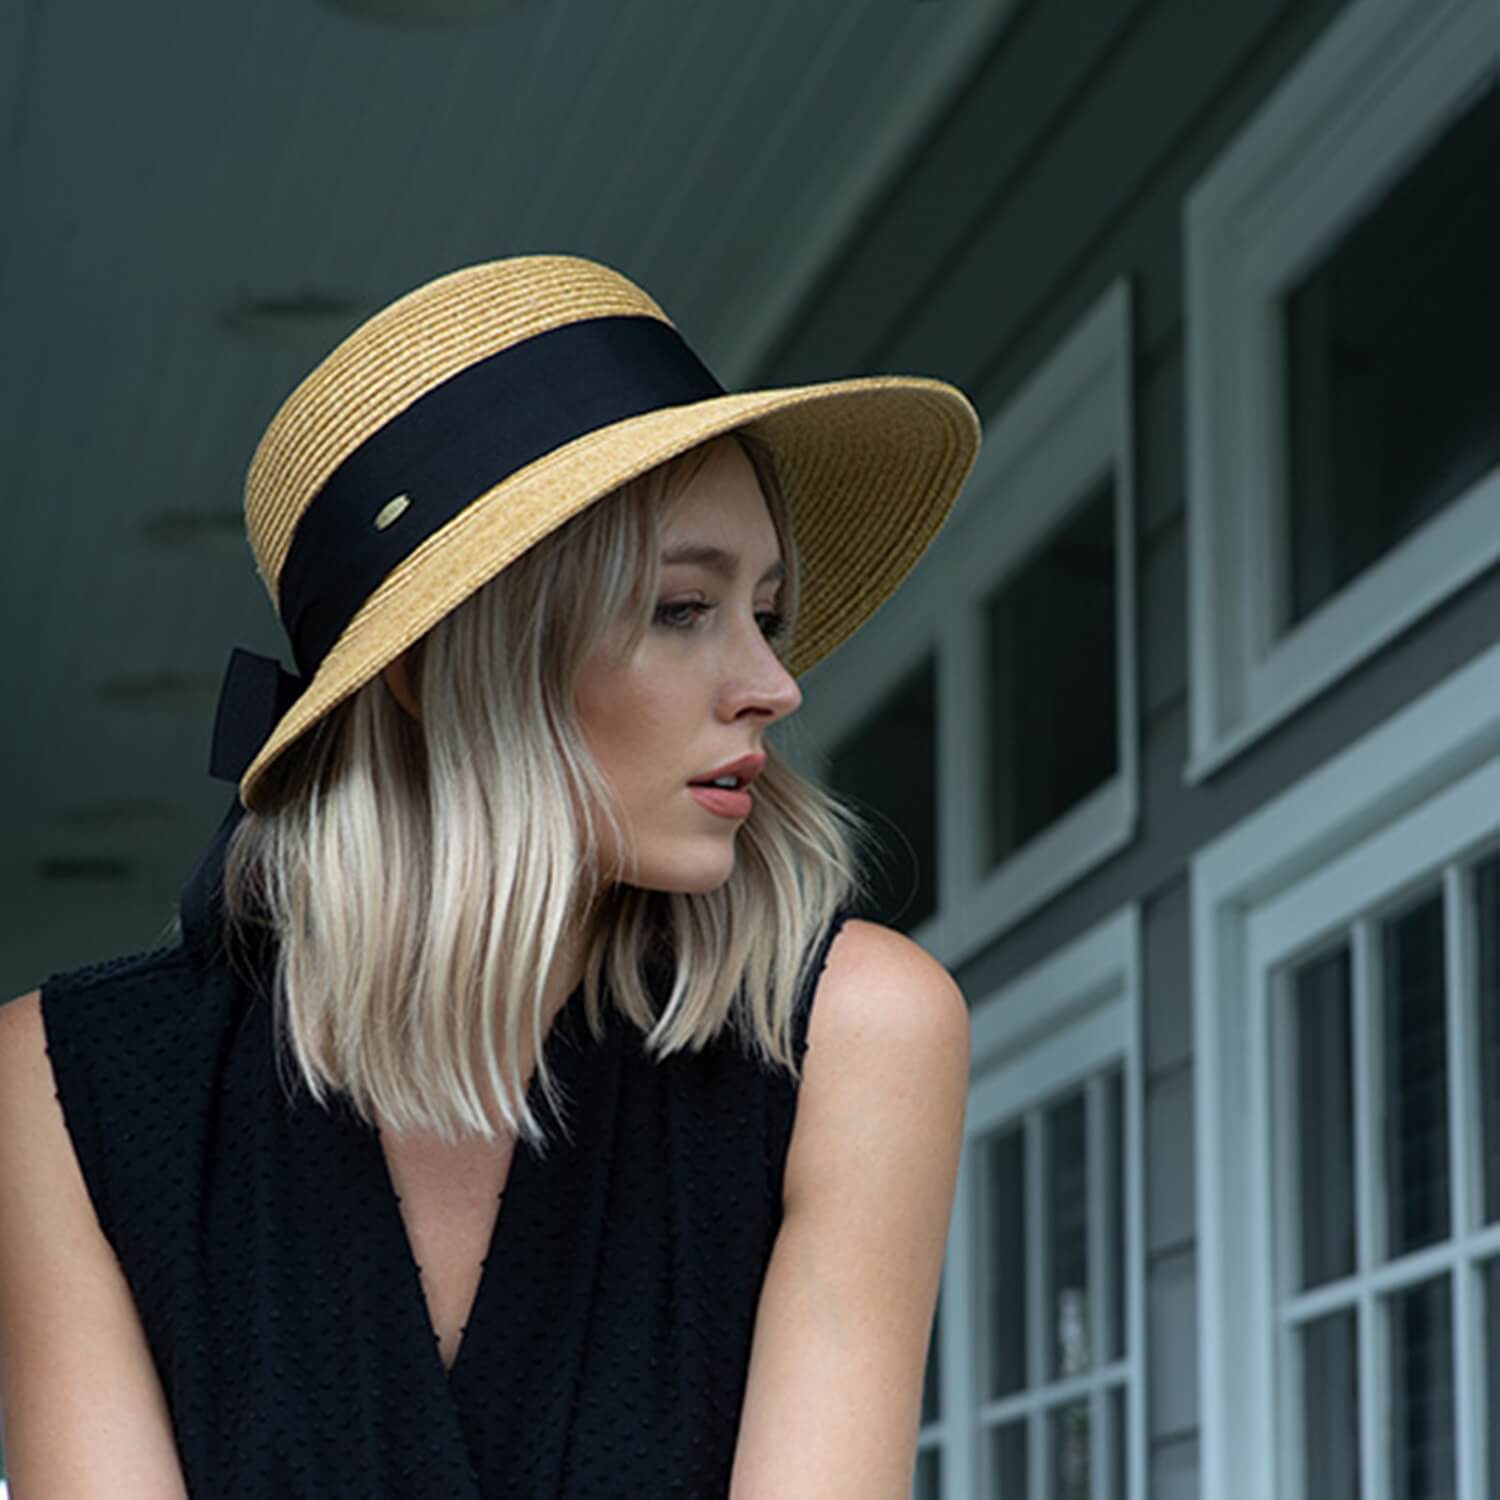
(419, 876)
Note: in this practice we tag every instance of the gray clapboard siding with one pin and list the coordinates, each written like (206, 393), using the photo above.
(1171, 1235)
(952, 191)
(1171, 1262)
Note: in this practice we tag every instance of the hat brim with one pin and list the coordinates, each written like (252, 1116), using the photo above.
(870, 468)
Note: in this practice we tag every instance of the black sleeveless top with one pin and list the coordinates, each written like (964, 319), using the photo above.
(607, 1350)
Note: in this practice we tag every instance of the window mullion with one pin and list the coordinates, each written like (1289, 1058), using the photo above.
(1101, 1293)
(1463, 1113)
(1463, 1049)
(1101, 1445)
(1469, 1427)
(962, 1313)
(1285, 1127)
(1369, 1195)
(1373, 1451)
(1039, 1279)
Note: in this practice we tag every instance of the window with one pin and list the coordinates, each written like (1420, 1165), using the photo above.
(1392, 411)
(1054, 620)
(991, 790)
(887, 764)
(1363, 1044)
(1034, 1385)
(1343, 411)
(1053, 1342)
(1347, 994)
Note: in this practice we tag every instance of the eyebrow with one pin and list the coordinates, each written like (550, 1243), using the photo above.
(717, 560)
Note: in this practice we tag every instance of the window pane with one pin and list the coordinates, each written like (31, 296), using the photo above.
(1390, 395)
(1325, 1117)
(1004, 1256)
(929, 1476)
(1114, 1198)
(1053, 623)
(1421, 1392)
(888, 766)
(1008, 1461)
(1067, 1238)
(1487, 922)
(931, 1388)
(1069, 1442)
(1416, 1079)
(1330, 1408)
(1119, 1444)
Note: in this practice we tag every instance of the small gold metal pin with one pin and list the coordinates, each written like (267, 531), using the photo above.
(390, 510)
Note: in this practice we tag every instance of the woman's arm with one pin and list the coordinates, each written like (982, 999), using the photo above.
(83, 1411)
(834, 1396)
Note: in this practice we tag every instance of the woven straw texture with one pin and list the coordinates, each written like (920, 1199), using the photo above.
(870, 467)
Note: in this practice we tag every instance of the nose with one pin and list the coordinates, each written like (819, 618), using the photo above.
(757, 681)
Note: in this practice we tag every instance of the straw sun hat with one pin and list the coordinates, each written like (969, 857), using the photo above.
(473, 416)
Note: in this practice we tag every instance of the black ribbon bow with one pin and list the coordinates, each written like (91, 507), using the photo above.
(255, 693)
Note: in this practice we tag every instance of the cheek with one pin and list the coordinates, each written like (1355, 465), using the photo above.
(623, 722)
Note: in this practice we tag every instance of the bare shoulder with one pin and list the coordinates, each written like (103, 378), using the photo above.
(879, 988)
(25, 1074)
(83, 1408)
(34, 1143)
(834, 1393)
(39, 1172)
(887, 1065)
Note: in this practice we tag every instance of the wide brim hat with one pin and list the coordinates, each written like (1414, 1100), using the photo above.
(469, 419)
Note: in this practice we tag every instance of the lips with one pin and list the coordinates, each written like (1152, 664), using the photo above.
(744, 770)
(723, 802)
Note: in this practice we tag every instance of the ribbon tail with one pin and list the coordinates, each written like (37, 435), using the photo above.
(256, 692)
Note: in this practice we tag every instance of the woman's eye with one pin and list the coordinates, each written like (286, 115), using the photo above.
(670, 615)
(685, 615)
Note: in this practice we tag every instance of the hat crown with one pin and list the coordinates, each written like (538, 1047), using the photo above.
(396, 356)
(473, 416)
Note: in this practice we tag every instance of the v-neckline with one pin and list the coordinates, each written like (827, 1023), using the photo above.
(414, 1272)
(510, 1203)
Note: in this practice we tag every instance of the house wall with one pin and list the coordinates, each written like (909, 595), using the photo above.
(1062, 165)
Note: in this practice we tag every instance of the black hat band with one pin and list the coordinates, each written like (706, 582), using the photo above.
(414, 475)
(460, 439)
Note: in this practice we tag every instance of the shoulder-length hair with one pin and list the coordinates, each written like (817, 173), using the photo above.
(418, 877)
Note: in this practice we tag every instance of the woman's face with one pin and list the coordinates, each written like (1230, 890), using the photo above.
(703, 686)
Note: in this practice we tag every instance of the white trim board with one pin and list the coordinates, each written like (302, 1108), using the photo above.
(1347, 122)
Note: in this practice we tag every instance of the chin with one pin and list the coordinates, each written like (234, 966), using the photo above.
(686, 877)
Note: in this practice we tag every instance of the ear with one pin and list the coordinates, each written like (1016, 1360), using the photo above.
(398, 680)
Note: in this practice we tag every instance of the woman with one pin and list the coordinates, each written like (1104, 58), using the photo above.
(279, 1212)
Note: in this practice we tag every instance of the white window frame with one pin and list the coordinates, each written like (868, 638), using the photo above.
(1364, 103)
(1384, 814)
(1067, 429)
(1059, 1024)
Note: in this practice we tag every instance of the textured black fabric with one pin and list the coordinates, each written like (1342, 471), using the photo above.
(607, 1351)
